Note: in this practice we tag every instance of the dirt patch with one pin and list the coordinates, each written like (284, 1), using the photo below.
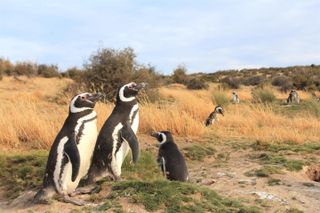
(313, 172)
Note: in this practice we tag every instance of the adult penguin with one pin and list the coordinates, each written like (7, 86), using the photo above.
(71, 151)
(117, 136)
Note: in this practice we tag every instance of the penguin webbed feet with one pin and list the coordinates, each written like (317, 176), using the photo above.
(68, 199)
(43, 196)
(86, 190)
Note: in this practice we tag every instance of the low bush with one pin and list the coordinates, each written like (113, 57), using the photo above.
(197, 84)
(263, 95)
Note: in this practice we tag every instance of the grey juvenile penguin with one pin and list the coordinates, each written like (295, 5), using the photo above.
(117, 136)
(71, 151)
(170, 159)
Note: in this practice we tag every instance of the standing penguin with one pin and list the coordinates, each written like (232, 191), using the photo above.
(117, 136)
(170, 159)
(213, 115)
(71, 152)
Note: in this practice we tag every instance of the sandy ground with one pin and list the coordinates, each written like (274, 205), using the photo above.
(296, 190)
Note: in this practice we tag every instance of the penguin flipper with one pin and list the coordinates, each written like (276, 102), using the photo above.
(128, 134)
(71, 150)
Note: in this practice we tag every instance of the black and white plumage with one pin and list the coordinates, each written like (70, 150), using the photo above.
(293, 97)
(117, 136)
(213, 115)
(72, 149)
(170, 159)
(235, 98)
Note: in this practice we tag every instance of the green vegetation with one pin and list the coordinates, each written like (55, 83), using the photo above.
(220, 98)
(199, 152)
(263, 95)
(279, 160)
(20, 172)
(265, 171)
(285, 147)
(274, 182)
(172, 197)
(145, 169)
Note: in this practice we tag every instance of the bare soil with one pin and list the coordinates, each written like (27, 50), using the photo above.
(227, 177)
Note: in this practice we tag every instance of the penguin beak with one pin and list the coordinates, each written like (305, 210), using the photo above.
(95, 97)
(221, 113)
(139, 86)
(154, 134)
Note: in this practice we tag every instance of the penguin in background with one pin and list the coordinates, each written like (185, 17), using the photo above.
(71, 152)
(170, 159)
(213, 115)
(117, 136)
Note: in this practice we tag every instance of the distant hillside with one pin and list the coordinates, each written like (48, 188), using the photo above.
(295, 77)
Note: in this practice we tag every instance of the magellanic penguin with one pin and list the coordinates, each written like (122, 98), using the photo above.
(213, 115)
(170, 159)
(117, 136)
(71, 152)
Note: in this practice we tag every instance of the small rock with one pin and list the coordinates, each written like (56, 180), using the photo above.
(267, 196)
(231, 174)
(208, 182)
(221, 174)
(248, 181)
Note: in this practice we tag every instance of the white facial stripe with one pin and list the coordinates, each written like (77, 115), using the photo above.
(219, 108)
(75, 109)
(121, 94)
(56, 174)
(164, 138)
(80, 121)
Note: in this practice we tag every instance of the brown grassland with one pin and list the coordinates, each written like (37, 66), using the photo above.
(33, 110)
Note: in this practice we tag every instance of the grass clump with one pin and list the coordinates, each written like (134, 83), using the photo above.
(21, 172)
(274, 182)
(175, 197)
(265, 171)
(279, 160)
(284, 147)
(220, 98)
(198, 152)
(263, 95)
(145, 169)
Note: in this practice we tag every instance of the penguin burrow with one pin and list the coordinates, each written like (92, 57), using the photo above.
(71, 151)
(117, 136)
(170, 159)
(213, 115)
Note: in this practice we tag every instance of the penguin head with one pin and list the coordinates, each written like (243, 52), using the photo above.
(128, 92)
(84, 101)
(219, 109)
(162, 136)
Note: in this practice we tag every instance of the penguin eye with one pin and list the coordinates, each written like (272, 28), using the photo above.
(82, 97)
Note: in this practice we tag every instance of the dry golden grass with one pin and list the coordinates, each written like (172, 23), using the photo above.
(31, 119)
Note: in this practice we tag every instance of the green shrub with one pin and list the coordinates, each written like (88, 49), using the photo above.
(220, 98)
(48, 71)
(180, 75)
(25, 68)
(253, 80)
(263, 95)
(108, 69)
(233, 83)
(197, 84)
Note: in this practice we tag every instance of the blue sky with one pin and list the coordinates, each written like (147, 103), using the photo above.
(203, 35)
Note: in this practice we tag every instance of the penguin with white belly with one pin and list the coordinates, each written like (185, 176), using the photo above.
(71, 152)
(117, 136)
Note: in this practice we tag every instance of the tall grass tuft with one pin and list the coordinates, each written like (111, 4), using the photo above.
(263, 95)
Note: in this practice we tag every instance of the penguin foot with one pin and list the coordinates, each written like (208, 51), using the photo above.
(117, 178)
(68, 199)
(86, 190)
